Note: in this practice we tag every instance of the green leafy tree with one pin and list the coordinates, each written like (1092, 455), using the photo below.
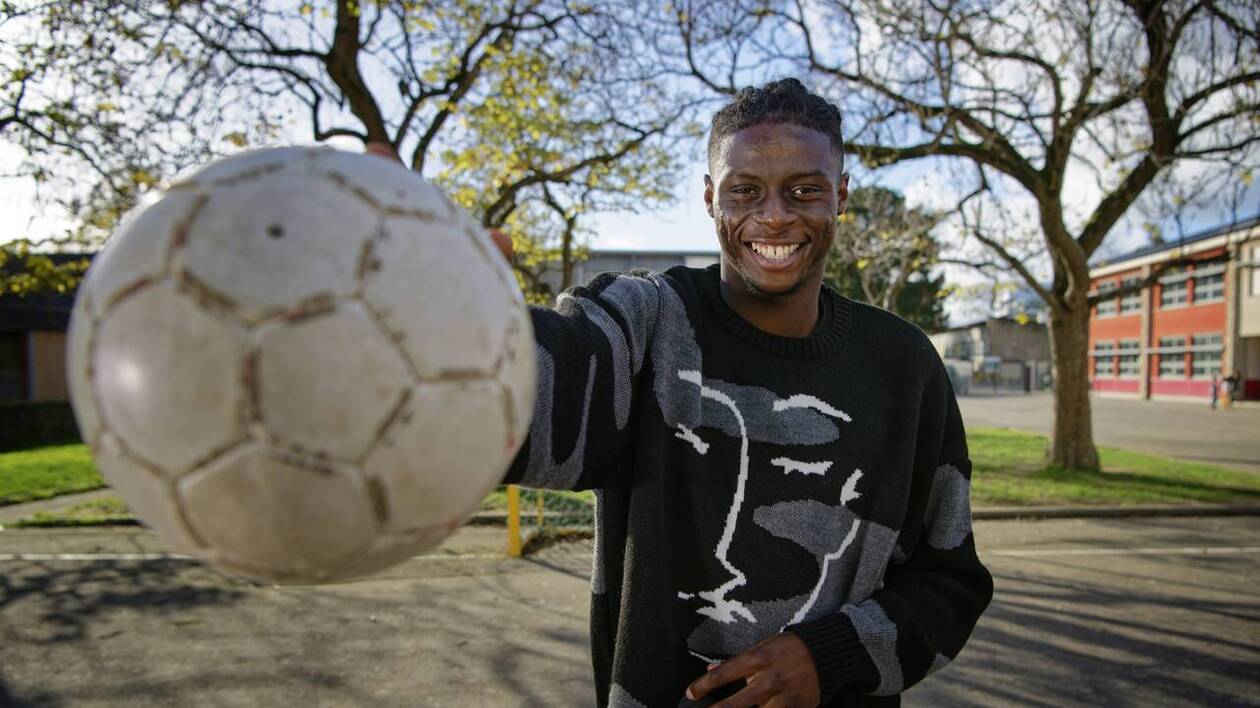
(884, 254)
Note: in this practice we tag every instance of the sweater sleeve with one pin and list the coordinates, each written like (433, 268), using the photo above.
(935, 588)
(590, 351)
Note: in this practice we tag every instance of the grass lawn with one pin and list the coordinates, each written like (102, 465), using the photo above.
(40, 473)
(105, 510)
(1008, 469)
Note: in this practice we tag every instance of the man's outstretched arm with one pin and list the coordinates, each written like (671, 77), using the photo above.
(590, 351)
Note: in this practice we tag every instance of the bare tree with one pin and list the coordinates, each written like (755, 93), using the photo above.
(1052, 121)
(494, 100)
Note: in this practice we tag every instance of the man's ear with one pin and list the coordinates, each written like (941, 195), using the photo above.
(842, 193)
(708, 195)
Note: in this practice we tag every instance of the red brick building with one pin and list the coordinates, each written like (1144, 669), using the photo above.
(1199, 320)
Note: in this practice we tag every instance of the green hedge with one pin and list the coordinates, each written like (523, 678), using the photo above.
(25, 424)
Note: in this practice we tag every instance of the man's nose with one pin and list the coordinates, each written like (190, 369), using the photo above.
(775, 212)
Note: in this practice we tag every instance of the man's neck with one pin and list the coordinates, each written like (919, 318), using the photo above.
(794, 315)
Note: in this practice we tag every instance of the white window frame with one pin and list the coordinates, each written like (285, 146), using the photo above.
(1104, 352)
(1133, 301)
(1181, 287)
(1204, 344)
(1172, 353)
(1130, 352)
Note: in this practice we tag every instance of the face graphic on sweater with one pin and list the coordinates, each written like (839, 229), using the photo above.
(778, 538)
(760, 493)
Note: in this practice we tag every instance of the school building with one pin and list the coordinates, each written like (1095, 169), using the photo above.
(1200, 319)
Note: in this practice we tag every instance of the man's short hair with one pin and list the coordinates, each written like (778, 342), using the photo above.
(782, 101)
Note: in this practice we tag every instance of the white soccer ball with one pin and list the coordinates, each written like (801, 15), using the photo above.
(301, 365)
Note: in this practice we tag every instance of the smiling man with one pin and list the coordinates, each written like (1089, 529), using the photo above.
(781, 474)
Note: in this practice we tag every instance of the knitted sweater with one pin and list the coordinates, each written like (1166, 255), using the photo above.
(747, 484)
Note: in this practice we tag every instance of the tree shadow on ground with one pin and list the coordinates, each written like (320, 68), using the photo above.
(71, 594)
(158, 633)
(1054, 642)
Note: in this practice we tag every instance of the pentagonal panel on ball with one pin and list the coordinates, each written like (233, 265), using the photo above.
(147, 494)
(168, 376)
(271, 243)
(436, 294)
(328, 382)
(443, 455)
(138, 251)
(78, 365)
(386, 183)
(283, 516)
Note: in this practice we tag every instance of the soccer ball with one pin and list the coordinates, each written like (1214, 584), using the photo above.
(301, 365)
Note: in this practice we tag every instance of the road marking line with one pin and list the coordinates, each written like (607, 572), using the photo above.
(1172, 550)
(34, 557)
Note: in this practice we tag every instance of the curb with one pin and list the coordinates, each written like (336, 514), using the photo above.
(1004, 513)
(993, 513)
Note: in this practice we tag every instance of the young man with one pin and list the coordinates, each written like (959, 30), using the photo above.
(781, 473)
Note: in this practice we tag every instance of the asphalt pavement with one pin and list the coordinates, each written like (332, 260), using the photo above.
(1186, 430)
(1147, 611)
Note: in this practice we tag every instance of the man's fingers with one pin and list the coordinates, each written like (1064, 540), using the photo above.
(503, 242)
(382, 149)
(754, 694)
(734, 669)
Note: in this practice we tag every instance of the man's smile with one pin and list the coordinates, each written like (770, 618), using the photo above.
(775, 255)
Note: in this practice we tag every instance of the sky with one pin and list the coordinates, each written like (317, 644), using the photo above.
(683, 226)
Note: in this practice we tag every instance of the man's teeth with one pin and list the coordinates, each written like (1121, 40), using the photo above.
(775, 253)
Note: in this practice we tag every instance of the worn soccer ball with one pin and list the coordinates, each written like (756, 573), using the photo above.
(301, 365)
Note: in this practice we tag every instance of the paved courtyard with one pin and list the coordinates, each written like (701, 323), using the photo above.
(1190, 431)
(1123, 612)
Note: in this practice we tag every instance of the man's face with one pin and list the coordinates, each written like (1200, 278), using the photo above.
(774, 192)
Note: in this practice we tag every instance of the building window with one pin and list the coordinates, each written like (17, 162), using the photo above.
(1172, 357)
(1130, 359)
(1209, 282)
(1173, 292)
(1104, 358)
(1205, 355)
(1107, 308)
(1133, 301)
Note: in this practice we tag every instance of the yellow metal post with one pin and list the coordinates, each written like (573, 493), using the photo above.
(514, 520)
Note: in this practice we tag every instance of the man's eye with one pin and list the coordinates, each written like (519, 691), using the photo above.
(743, 190)
(805, 191)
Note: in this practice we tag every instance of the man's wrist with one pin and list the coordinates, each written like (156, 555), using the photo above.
(839, 657)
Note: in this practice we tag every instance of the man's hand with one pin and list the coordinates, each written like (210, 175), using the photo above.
(779, 671)
(502, 241)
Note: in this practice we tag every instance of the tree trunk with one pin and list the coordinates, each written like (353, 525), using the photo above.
(566, 257)
(1072, 439)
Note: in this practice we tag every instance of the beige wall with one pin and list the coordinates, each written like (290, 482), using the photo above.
(1249, 291)
(1019, 342)
(48, 353)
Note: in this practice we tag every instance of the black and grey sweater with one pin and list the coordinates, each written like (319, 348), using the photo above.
(748, 484)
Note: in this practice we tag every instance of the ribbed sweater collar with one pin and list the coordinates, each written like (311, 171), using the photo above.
(824, 342)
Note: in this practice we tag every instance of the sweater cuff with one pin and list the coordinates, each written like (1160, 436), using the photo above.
(839, 657)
